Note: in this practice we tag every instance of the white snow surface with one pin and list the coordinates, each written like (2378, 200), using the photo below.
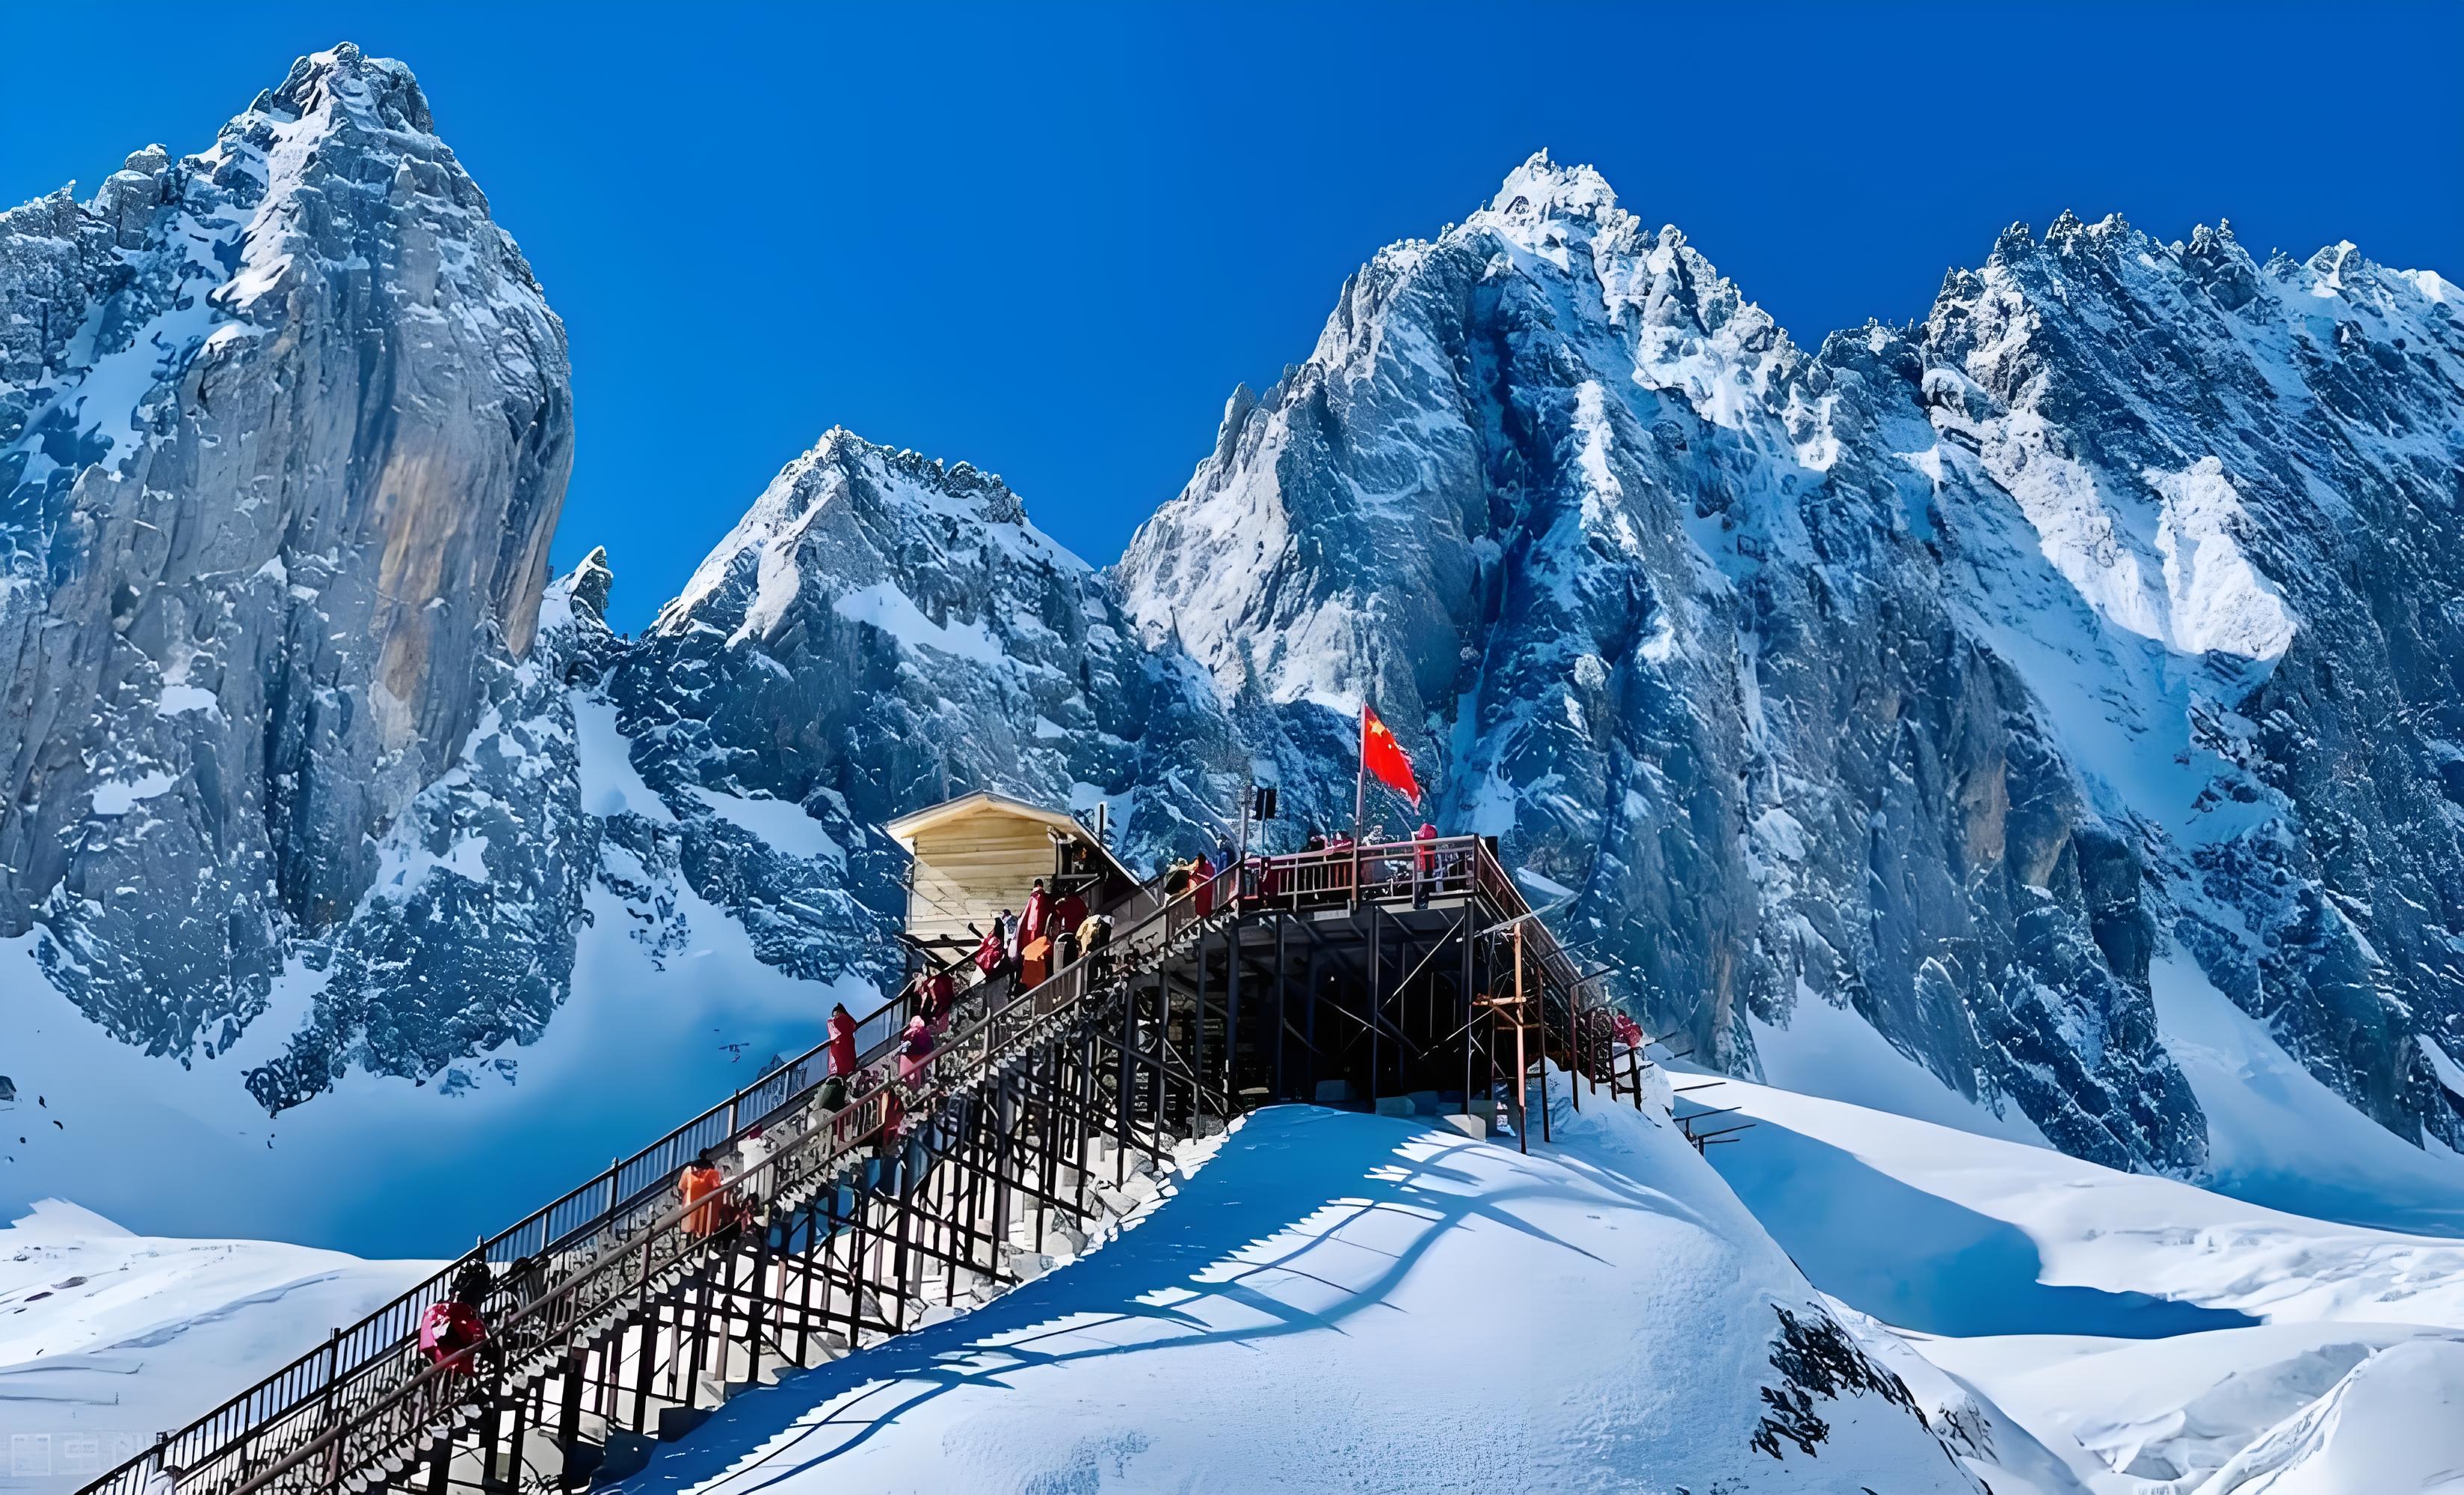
(2111, 1333)
(781, 823)
(108, 1338)
(1340, 1302)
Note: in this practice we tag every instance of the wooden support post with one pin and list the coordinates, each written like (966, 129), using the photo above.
(491, 1410)
(643, 1360)
(1309, 1026)
(1004, 1157)
(1152, 1055)
(1232, 1014)
(1377, 1001)
(691, 1363)
(814, 1244)
(1197, 1025)
(1465, 985)
(1522, 1061)
(568, 1414)
(759, 1313)
(1281, 981)
(1574, 1047)
(1121, 1093)
(901, 1260)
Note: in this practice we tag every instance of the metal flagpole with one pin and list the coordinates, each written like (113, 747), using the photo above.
(1360, 789)
(1361, 798)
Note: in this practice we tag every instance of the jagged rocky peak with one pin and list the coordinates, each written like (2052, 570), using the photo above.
(588, 583)
(284, 433)
(1541, 189)
(846, 497)
(2245, 472)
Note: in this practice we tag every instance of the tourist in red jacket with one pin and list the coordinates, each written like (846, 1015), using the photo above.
(842, 1040)
(451, 1332)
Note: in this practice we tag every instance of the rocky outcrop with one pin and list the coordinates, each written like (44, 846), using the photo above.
(882, 631)
(284, 430)
(2246, 479)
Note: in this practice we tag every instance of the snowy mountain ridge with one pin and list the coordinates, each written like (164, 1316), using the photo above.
(2035, 684)
(248, 606)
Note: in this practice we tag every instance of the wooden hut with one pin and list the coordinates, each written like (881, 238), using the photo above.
(981, 853)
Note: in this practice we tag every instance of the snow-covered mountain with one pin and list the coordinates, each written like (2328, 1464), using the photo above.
(284, 429)
(1955, 674)
(879, 632)
(2032, 688)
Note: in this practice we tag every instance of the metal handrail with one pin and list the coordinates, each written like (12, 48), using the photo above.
(381, 1336)
(661, 1244)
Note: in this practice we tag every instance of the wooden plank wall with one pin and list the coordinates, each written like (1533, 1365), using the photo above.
(969, 870)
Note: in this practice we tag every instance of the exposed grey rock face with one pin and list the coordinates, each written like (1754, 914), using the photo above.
(464, 943)
(880, 632)
(2250, 475)
(1953, 675)
(284, 430)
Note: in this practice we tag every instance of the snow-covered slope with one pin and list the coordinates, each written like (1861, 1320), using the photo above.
(2144, 1335)
(1351, 1302)
(1961, 675)
(108, 1338)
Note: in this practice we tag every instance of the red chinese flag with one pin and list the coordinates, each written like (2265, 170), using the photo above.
(1383, 757)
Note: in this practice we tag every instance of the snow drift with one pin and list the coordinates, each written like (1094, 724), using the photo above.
(108, 1338)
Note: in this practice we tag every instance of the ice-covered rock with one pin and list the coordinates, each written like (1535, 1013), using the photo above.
(881, 631)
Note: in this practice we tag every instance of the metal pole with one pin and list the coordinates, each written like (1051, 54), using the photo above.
(1522, 1063)
(1575, 1048)
(1360, 800)
(1197, 1027)
(1377, 996)
(1360, 787)
(1241, 859)
(1464, 986)
(1282, 980)
(1232, 1015)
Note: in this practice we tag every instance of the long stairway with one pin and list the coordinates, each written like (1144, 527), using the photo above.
(623, 1316)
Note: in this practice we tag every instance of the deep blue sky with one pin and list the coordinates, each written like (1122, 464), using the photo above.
(1049, 244)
